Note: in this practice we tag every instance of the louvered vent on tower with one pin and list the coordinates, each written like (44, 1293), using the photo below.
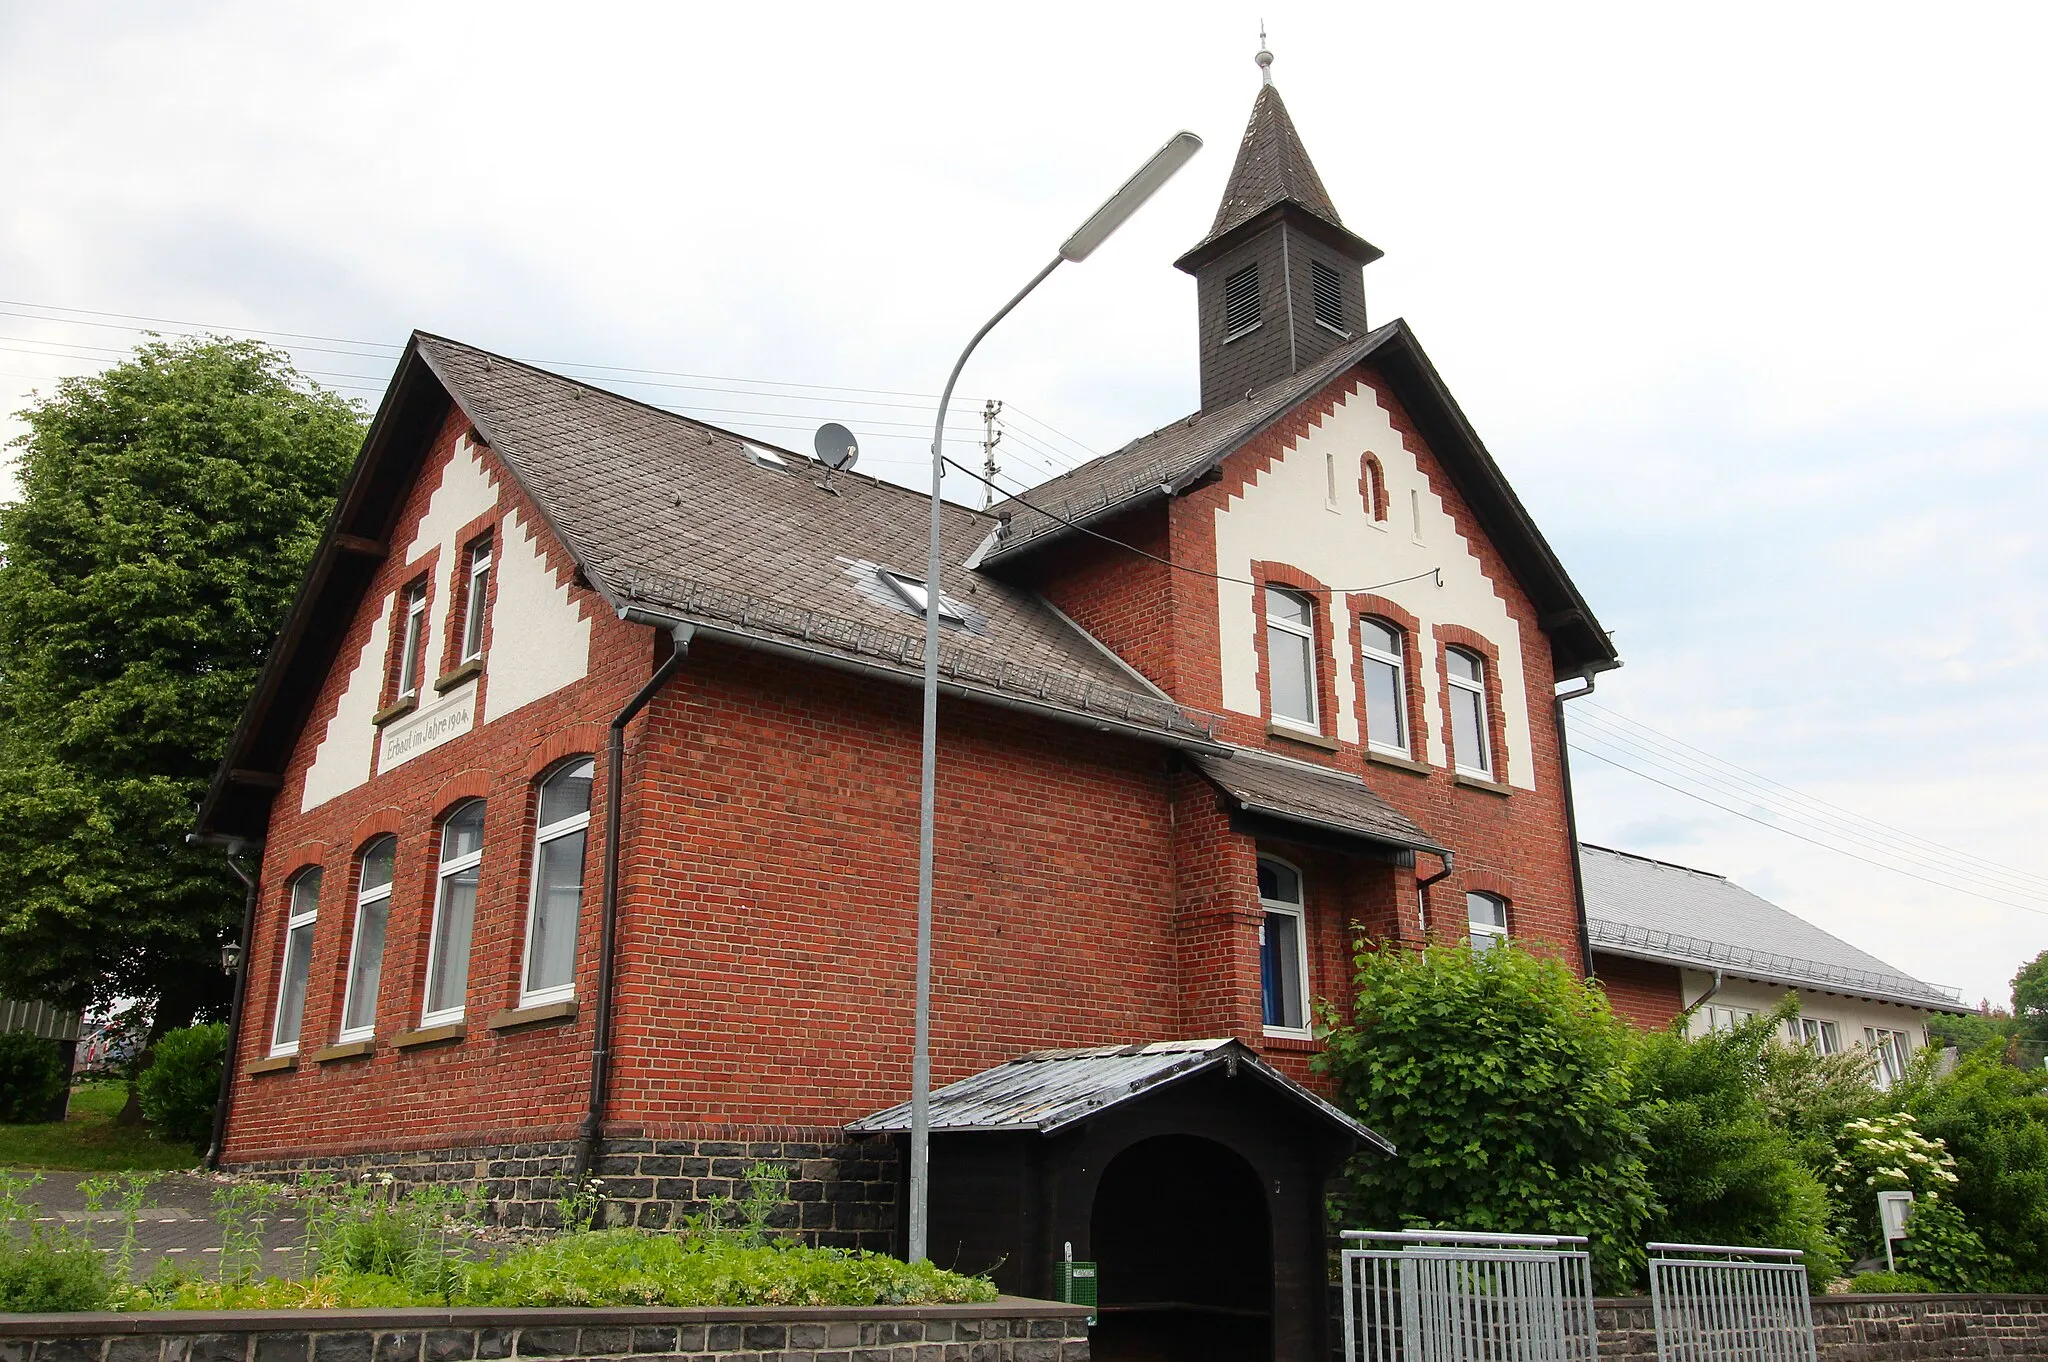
(1241, 302)
(1328, 288)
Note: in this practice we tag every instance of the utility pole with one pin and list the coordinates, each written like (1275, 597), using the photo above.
(991, 436)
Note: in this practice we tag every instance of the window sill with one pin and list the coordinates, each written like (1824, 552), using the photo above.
(276, 1064)
(397, 711)
(1243, 331)
(346, 1049)
(1288, 1042)
(1493, 787)
(513, 1019)
(430, 1035)
(1399, 763)
(473, 667)
(1335, 330)
(1303, 736)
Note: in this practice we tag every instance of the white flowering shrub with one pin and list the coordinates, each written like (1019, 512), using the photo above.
(1884, 1154)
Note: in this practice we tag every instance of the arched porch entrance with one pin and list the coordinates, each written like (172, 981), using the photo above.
(1183, 1240)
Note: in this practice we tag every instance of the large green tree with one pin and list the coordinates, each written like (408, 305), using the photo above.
(167, 509)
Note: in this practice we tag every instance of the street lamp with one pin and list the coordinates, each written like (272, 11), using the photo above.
(1077, 248)
(230, 957)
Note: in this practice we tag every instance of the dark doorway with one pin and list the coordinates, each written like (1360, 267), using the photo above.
(1184, 1244)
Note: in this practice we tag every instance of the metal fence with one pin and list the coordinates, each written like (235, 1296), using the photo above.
(1446, 1296)
(1715, 1303)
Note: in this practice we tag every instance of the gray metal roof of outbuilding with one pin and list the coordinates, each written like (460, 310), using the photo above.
(1654, 910)
(1049, 1090)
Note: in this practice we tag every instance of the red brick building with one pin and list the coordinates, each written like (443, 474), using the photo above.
(585, 776)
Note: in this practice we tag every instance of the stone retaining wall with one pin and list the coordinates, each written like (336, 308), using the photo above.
(840, 1193)
(1011, 1330)
(1872, 1328)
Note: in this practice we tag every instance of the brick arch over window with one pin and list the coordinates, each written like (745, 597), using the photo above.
(1292, 578)
(1449, 636)
(1372, 486)
(1364, 605)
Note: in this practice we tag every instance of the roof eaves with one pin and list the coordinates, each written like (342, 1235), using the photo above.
(1664, 948)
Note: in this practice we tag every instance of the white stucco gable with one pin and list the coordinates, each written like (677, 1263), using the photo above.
(1288, 514)
(540, 640)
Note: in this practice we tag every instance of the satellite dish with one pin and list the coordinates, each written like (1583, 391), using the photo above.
(836, 446)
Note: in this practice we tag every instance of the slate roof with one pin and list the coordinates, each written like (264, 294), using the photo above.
(1333, 800)
(1050, 1090)
(1655, 910)
(1272, 167)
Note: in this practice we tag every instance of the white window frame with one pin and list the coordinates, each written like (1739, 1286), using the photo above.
(541, 837)
(1476, 689)
(911, 589)
(413, 641)
(296, 916)
(1299, 912)
(366, 896)
(1728, 1018)
(477, 603)
(1495, 932)
(1825, 1036)
(445, 871)
(1399, 662)
(1885, 1042)
(1293, 629)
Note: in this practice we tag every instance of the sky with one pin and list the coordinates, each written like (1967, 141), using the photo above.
(1745, 300)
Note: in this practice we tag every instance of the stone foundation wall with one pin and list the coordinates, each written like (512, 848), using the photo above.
(839, 1193)
(1872, 1328)
(1011, 1330)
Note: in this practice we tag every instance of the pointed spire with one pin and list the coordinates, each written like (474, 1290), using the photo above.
(1264, 57)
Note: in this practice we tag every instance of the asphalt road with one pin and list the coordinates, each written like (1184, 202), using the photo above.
(177, 1222)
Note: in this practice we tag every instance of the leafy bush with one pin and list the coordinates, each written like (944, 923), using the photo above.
(1501, 1079)
(1993, 1119)
(31, 1077)
(1942, 1249)
(1720, 1171)
(45, 1271)
(1883, 1154)
(635, 1267)
(177, 1091)
(1810, 1096)
(1890, 1283)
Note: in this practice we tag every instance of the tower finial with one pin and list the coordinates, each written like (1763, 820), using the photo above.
(1265, 57)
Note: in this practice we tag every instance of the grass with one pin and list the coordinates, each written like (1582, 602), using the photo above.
(89, 1141)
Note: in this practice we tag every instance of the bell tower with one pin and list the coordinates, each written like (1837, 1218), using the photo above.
(1279, 279)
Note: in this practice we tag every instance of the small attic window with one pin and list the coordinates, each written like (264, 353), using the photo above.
(762, 455)
(1241, 302)
(912, 591)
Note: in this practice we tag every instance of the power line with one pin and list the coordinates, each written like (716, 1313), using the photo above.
(1940, 884)
(1702, 775)
(1666, 739)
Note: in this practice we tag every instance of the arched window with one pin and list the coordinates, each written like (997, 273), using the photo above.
(557, 907)
(1291, 658)
(1283, 953)
(462, 850)
(1489, 920)
(297, 964)
(1375, 488)
(366, 947)
(1383, 657)
(1471, 748)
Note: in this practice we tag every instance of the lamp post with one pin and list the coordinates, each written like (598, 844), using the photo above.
(1077, 248)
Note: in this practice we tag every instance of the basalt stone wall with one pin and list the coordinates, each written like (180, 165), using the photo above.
(1873, 1328)
(836, 1192)
(1011, 1330)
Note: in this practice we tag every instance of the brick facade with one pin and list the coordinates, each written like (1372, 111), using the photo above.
(1647, 993)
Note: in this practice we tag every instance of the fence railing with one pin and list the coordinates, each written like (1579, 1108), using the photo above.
(1451, 1296)
(1718, 1303)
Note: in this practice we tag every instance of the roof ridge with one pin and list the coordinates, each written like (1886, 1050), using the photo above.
(1669, 865)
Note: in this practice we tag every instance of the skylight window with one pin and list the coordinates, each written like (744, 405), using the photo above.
(912, 591)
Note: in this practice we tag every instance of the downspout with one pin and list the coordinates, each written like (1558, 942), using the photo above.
(1571, 820)
(231, 847)
(1699, 1002)
(1422, 893)
(608, 931)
